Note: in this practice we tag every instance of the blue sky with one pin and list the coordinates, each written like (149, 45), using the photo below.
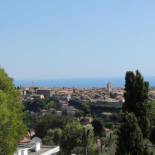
(50, 39)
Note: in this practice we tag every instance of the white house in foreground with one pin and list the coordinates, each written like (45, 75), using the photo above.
(35, 148)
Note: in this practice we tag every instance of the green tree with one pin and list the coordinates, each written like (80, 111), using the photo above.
(91, 147)
(54, 105)
(71, 137)
(130, 137)
(53, 136)
(98, 127)
(35, 105)
(50, 121)
(30, 120)
(57, 134)
(11, 116)
(72, 141)
(136, 100)
(152, 135)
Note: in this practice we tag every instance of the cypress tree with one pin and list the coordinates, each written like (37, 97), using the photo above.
(136, 99)
(135, 123)
(130, 137)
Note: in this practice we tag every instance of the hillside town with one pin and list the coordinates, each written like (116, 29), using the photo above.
(110, 96)
(103, 103)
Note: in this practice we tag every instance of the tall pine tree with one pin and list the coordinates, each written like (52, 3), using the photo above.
(135, 124)
(130, 137)
(11, 115)
(136, 99)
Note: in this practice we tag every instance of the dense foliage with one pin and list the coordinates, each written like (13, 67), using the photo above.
(98, 127)
(50, 121)
(152, 135)
(64, 131)
(136, 100)
(130, 138)
(35, 105)
(135, 125)
(11, 115)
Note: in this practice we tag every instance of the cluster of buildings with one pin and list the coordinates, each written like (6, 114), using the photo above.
(108, 96)
(99, 95)
(65, 94)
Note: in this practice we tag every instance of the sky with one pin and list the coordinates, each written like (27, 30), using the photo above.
(67, 39)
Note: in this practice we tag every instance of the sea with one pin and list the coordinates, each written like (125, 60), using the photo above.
(78, 83)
